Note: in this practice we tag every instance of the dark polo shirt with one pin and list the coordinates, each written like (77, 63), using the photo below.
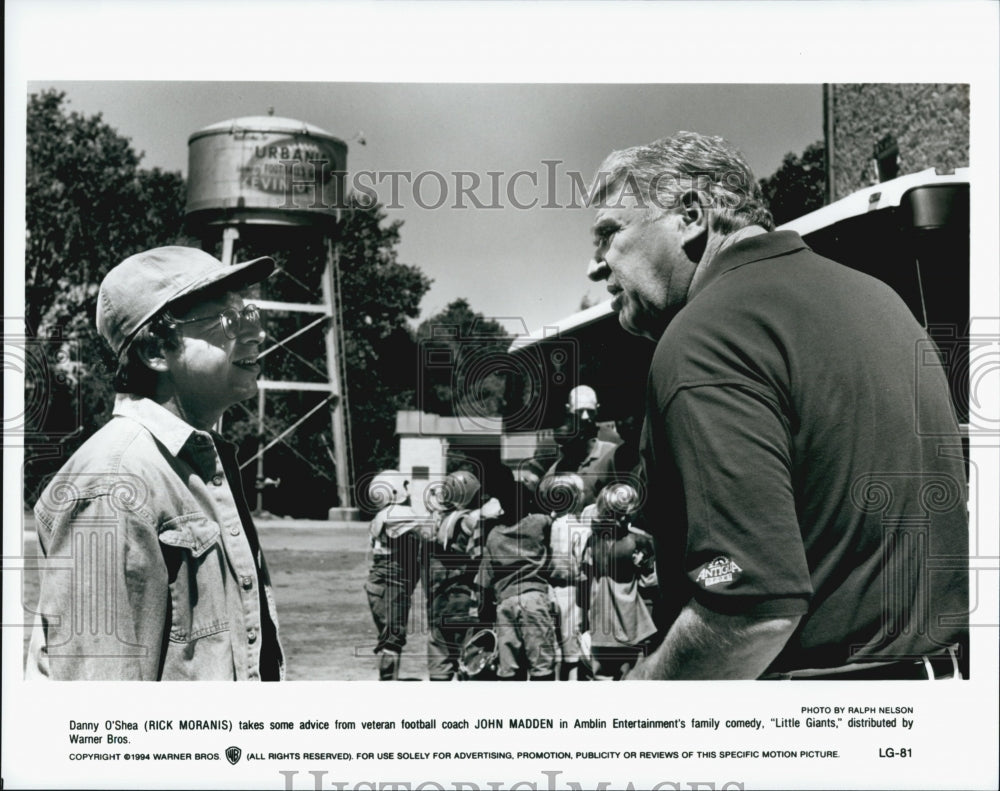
(803, 458)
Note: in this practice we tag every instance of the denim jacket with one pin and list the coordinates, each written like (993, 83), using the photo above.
(148, 572)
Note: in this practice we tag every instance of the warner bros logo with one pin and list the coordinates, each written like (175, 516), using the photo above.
(233, 755)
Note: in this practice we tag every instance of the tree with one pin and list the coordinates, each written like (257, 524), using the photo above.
(88, 206)
(798, 186)
(380, 297)
(463, 358)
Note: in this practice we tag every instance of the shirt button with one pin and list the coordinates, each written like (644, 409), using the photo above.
(234, 531)
(246, 582)
(252, 635)
(217, 480)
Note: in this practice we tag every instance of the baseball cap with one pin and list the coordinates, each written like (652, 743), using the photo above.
(582, 397)
(133, 292)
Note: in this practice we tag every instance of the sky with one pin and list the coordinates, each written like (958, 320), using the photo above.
(524, 265)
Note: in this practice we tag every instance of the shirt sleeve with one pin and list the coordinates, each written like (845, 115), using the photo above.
(744, 551)
(103, 595)
(484, 576)
(561, 562)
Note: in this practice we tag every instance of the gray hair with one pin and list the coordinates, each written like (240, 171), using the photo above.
(659, 174)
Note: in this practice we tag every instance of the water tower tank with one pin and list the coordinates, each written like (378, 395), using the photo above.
(264, 170)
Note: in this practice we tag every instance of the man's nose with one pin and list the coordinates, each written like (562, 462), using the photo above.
(597, 269)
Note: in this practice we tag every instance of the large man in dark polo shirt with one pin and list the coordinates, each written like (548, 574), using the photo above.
(804, 476)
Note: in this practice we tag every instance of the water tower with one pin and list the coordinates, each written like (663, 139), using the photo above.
(262, 172)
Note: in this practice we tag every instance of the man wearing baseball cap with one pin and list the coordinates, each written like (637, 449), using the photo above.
(153, 567)
(580, 450)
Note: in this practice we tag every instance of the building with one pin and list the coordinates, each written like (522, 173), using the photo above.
(914, 126)
(430, 446)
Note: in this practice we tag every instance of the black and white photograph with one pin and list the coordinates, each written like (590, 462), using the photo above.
(389, 363)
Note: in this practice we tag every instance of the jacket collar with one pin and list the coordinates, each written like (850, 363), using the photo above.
(168, 429)
(746, 251)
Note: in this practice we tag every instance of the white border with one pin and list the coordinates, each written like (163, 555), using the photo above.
(511, 42)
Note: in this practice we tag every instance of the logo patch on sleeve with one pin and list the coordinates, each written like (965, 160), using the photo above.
(720, 570)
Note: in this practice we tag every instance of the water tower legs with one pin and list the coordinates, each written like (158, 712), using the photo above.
(335, 375)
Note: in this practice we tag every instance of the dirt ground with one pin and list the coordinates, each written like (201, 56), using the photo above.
(318, 574)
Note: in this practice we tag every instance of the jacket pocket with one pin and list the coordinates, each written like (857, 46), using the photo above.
(196, 568)
(193, 532)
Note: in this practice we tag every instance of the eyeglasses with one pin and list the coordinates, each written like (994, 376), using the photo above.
(234, 322)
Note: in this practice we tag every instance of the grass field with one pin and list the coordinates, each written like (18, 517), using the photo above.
(318, 574)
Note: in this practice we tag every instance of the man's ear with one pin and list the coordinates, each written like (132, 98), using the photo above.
(695, 233)
(151, 351)
(693, 211)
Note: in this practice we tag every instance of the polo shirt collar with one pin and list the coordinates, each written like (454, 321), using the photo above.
(594, 449)
(168, 429)
(754, 248)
